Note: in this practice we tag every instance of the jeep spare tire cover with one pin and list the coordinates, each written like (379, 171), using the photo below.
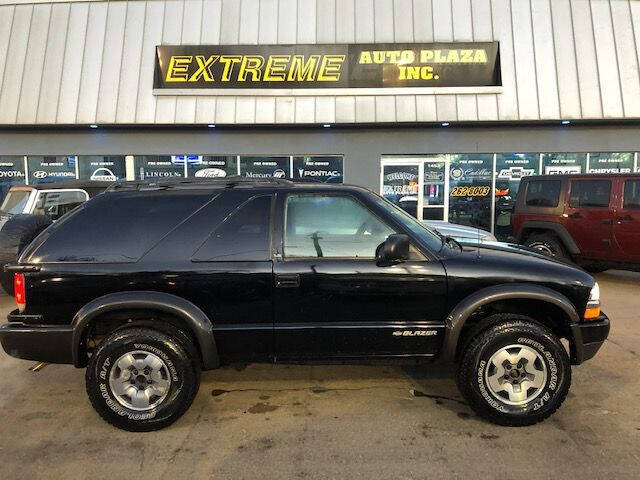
(17, 232)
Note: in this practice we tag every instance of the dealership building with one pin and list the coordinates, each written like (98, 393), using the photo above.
(440, 105)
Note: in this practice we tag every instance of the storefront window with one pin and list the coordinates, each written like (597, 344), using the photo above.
(510, 169)
(265, 167)
(400, 186)
(159, 166)
(433, 188)
(611, 162)
(106, 169)
(11, 173)
(208, 166)
(563, 163)
(326, 169)
(49, 169)
(470, 178)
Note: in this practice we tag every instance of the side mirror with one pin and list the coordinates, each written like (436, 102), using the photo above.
(394, 250)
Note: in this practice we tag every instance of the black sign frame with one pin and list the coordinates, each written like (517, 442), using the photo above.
(327, 66)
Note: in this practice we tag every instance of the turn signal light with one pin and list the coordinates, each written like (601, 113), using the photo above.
(19, 291)
(592, 312)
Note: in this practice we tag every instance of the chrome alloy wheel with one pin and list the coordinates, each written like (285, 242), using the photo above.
(543, 248)
(140, 380)
(516, 374)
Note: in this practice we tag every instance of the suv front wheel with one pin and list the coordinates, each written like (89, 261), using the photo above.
(140, 379)
(515, 373)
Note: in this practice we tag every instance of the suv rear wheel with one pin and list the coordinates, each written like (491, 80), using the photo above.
(547, 244)
(516, 373)
(140, 379)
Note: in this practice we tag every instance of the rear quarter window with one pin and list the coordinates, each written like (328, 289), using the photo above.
(543, 193)
(117, 227)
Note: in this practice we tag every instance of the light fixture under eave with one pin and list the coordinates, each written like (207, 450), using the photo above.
(326, 125)
(211, 125)
(93, 125)
(566, 122)
(445, 124)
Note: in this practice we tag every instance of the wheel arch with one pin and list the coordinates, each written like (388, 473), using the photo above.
(501, 295)
(557, 229)
(184, 312)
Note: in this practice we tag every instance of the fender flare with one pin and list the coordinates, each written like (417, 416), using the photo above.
(521, 291)
(556, 228)
(193, 318)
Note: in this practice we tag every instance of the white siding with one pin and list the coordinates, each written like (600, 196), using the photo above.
(33, 65)
(14, 65)
(78, 62)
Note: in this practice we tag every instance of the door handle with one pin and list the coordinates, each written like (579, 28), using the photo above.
(607, 221)
(626, 218)
(575, 215)
(288, 281)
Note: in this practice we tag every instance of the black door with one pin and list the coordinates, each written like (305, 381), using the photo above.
(332, 300)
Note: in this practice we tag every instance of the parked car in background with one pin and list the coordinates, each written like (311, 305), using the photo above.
(462, 233)
(593, 220)
(204, 272)
(27, 210)
(51, 200)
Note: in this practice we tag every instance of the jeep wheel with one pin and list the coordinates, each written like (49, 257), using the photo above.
(515, 373)
(548, 245)
(140, 379)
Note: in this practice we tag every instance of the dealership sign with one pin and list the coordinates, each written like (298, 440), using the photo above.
(202, 68)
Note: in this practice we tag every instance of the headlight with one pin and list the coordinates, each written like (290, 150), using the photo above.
(594, 295)
(593, 305)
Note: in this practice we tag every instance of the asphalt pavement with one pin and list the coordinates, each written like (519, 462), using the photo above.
(280, 422)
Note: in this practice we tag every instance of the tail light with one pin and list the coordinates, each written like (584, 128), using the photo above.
(19, 291)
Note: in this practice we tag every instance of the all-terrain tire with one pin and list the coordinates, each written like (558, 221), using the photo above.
(478, 363)
(177, 379)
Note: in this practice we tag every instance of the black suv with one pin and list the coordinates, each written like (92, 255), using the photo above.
(149, 283)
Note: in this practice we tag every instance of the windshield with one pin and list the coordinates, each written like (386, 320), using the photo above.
(430, 237)
(15, 201)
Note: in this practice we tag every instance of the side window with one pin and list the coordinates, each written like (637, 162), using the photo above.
(331, 226)
(55, 204)
(543, 193)
(242, 236)
(632, 194)
(590, 193)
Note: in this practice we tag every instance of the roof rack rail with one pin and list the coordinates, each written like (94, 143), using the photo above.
(177, 182)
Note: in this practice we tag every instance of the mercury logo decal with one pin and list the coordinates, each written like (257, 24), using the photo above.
(415, 333)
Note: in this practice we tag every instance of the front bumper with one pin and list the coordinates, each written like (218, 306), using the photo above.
(588, 337)
(43, 343)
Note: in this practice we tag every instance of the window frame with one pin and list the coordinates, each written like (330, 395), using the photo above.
(625, 206)
(40, 193)
(543, 180)
(575, 181)
(229, 216)
(336, 194)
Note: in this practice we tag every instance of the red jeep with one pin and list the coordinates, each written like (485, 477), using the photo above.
(593, 220)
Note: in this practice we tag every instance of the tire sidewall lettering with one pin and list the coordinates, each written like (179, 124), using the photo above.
(105, 391)
(537, 403)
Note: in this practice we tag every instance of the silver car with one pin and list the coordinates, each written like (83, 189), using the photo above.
(462, 233)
